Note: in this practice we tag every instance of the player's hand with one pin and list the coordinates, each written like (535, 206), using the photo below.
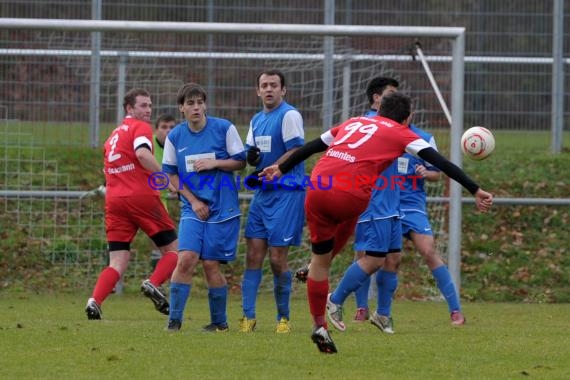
(172, 189)
(204, 164)
(201, 209)
(253, 155)
(421, 171)
(271, 172)
(483, 200)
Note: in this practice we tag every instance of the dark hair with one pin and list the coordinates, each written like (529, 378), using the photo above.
(378, 85)
(396, 106)
(272, 72)
(130, 98)
(190, 90)
(166, 118)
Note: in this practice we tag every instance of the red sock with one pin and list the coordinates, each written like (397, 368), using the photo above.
(317, 292)
(164, 268)
(105, 284)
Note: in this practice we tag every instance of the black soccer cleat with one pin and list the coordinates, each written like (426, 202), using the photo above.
(213, 327)
(156, 296)
(174, 325)
(302, 274)
(93, 310)
(323, 341)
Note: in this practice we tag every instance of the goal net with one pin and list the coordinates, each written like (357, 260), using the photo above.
(68, 230)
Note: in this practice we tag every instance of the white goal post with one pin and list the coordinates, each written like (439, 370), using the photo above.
(455, 34)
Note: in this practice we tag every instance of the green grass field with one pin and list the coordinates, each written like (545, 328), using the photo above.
(49, 337)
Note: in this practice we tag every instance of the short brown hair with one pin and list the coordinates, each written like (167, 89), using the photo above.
(130, 98)
(190, 90)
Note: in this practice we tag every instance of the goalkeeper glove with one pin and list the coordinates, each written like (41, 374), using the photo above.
(253, 155)
(253, 181)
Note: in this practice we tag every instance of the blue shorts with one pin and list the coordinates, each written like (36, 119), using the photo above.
(212, 241)
(417, 222)
(277, 216)
(381, 235)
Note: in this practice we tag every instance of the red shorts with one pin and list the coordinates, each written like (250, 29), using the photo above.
(125, 215)
(332, 214)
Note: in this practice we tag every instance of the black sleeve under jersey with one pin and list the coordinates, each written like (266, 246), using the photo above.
(450, 169)
(314, 146)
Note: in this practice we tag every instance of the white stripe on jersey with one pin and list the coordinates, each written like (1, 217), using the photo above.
(292, 126)
(415, 146)
(234, 144)
(169, 155)
(327, 138)
(249, 139)
(141, 140)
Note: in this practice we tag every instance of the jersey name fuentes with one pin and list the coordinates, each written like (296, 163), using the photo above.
(341, 155)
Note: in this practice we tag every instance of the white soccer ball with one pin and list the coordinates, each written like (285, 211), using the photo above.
(477, 143)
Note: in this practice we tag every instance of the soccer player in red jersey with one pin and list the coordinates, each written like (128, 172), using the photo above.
(342, 181)
(132, 202)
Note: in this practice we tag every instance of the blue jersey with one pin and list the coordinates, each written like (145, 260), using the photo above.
(413, 195)
(385, 200)
(274, 133)
(218, 140)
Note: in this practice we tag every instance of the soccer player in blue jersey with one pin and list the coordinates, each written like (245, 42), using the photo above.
(410, 200)
(200, 155)
(276, 213)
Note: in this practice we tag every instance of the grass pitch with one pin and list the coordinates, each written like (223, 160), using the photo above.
(49, 337)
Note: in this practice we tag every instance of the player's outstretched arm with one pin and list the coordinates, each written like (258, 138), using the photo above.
(314, 146)
(483, 199)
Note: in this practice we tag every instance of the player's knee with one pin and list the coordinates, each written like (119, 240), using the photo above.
(393, 260)
(187, 261)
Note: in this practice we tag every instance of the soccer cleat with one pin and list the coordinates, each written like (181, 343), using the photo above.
(361, 315)
(247, 325)
(283, 326)
(457, 318)
(93, 310)
(174, 325)
(156, 296)
(334, 313)
(302, 273)
(384, 323)
(212, 327)
(323, 341)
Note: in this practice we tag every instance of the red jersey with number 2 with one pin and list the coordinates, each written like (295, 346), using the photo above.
(124, 174)
(363, 147)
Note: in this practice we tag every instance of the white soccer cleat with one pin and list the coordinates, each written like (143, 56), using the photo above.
(334, 312)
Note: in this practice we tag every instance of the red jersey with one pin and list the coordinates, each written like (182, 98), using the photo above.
(361, 148)
(124, 174)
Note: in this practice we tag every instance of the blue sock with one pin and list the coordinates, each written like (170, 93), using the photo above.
(387, 284)
(218, 300)
(179, 294)
(446, 287)
(282, 292)
(352, 280)
(361, 294)
(249, 287)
